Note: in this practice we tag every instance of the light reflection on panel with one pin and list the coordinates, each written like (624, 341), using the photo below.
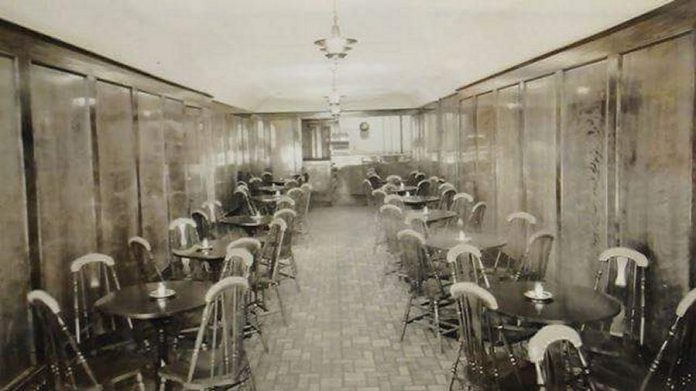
(153, 196)
(283, 153)
(14, 280)
(655, 170)
(449, 112)
(63, 154)
(467, 147)
(485, 165)
(195, 163)
(175, 151)
(539, 144)
(583, 207)
(508, 157)
(117, 175)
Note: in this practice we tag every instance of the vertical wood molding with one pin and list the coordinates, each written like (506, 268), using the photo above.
(91, 100)
(692, 236)
(136, 138)
(522, 87)
(612, 160)
(558, 90)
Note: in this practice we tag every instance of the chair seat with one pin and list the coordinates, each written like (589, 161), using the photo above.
(112, 367)
(177, 371)
(514, 334)
(623, 373)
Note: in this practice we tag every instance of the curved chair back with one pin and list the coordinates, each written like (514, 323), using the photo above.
(394, 180)
(423, 188)
(378, 196)
(64, 357)
(222, 327)
(254, 184)
(289, 216)
(622, 274)
(393, 221)
(367, 192)
(434, 185)
(376, 181)
(94, 276)
(446, 198)
(519, 227)
(420, 176)
(419, 223)
(286, 202)
(292, 184)
(213, 209)
(267, 178)
(465, 264)
(238, 262)
(553, 366)
(270, 252)
(296, 194)
(203, 223)
(444, 186)
(411, 179)
(243, 196)
(461, 204)
(478, 212)
(394, 199)
(183, 233)
(676, 358)
(141, 254)
(536, 257)
(307, 190)
(415, 260)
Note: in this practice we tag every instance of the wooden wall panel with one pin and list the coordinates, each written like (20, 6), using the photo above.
(14, 280)
(195, 161)
(431, 140)
(467, 146)
(508, 156)
(539, 143)
(655, 170)
(117, 175)
(284, 146)
(63, 152)
(153, 191)
(449, 113)
(175, 152)
(584, 171)
(485, 159)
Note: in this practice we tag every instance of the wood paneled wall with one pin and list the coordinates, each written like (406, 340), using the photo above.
(93, 153)
(596, 140)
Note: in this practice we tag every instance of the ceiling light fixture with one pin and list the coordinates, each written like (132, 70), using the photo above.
(336, 46)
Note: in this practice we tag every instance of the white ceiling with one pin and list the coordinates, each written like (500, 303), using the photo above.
(258, 54)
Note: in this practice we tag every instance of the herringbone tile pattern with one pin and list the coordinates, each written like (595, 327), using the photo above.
(343, 331)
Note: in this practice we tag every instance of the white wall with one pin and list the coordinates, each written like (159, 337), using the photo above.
(384, 136)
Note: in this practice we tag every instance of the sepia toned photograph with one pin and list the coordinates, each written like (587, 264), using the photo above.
(348, 195)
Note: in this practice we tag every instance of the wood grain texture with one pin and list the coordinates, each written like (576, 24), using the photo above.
(539, 143)
(195, 160)
(449, 122)
(118, 175)
(175, 152)
(467, 146)
(153, 190)
(485, 155)
(508, 157)
(14, 280)
(655, 193)
(584, 188)
(63, 147)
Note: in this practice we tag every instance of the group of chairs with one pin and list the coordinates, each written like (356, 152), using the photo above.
(451, 294)
(101, 351)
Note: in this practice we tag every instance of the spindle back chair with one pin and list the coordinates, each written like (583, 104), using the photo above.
(466, 265)
(141, 254)
(423, 188)
(394, 199)
(550, 350)
(446, 198)
(478, 212)
(204, 227)
(536, 257)
(367, 192)
(461, 204)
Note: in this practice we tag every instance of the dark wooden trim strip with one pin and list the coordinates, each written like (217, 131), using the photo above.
(91, 98)
(692, 236)
(612, 154)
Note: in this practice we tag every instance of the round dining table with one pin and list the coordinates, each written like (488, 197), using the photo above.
(432, 216)
(213, 255)
(570, 305)
(419, 202)
(448, 238)
(250, 224)
(134, 302)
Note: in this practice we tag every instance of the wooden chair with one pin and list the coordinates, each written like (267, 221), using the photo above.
(411, 178)
(204, 227)
(392, 221)
(420, 176)
(141, 253)
(394, 199)
(674, 365)
(434, 185)
(296, 195)
(267, 178)
(304, 208)
(426, 291)
(214, 212)
(376, 181)
(446, 198)
(223, 362)
(519, 226)
(423, 188)
(536, 257)
(265, 277)
(478, 212)
(419, 223)
(461, 204)
(254, 184)
(465, 265)
(69, 368)
(477, 364)
(367, 192)
(94, 276)
(551, 351)
(243, 197)
(379, 196)
(444, 186)
(394, 180)
(286, 202)
(292, 184)
(183, 234)
(286, 256)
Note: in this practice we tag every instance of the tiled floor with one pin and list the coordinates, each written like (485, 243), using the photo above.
(343, 331)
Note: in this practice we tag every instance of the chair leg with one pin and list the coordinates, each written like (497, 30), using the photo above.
(293, 265)
(163, 384)
(280, 304)
(406, 314)
(453, 370)
(436, 326)
(139, 379)
(260, 332)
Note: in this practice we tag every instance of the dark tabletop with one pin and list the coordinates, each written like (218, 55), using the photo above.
(402, 190)
(433, 215)
(571, 304)
(135, 301)
(267, 198)
(272, 189)
(419, 200)
(446, 239)
(217, 252)
(247, 221)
